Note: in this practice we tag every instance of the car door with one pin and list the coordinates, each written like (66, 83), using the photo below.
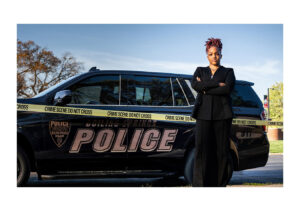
(155, 144)
(82, 142)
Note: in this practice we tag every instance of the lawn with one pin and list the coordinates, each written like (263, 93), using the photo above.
(276, 146)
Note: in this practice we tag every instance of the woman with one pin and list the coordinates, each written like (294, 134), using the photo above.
(213, 112)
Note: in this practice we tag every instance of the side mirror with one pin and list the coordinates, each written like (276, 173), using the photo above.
(62, 97)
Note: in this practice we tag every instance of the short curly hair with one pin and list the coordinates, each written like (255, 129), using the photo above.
(213, 42)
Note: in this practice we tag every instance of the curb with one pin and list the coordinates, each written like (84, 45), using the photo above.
(275, 153)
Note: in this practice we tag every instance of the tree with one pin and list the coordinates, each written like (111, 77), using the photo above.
(38, 68)
(276, 102)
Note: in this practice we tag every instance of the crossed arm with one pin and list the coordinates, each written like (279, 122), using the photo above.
(213, 87)
(201, 86)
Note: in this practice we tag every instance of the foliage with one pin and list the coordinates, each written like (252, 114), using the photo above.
(276, 102)
(38, 68)
(276, 146)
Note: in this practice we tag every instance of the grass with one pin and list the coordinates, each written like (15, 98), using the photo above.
(263, 184)
(257, 184)
(276, 146)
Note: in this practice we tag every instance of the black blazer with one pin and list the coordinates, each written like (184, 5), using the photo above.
(213, 102)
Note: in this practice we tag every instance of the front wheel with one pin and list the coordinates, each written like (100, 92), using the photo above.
(189, 168)
(23, 167)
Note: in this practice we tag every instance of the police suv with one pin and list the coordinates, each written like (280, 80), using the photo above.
(126, 123)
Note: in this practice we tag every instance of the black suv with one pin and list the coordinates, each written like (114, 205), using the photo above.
(60, 144)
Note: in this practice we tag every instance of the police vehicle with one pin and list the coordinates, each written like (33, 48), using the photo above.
(126, 136)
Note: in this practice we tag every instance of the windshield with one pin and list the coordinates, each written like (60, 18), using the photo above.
(46, 91)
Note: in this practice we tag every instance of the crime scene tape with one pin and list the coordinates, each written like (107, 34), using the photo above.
(128, 114)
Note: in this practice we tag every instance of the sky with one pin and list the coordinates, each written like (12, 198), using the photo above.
(254, 51)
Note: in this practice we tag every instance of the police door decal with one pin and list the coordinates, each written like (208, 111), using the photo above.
(106, 139)
(59, 132)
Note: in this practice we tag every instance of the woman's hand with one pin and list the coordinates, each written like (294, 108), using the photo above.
(198, 79)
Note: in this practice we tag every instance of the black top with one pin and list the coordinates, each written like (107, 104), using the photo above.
(213, 102)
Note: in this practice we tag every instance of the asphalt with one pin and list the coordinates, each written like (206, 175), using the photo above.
(270, 174)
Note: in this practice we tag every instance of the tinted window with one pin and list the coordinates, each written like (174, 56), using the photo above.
(96, 90)
(123, 90)
(187, 88)
(151, 91)
(189, 83)
(244, 96)
(47, 91)
(179, 98)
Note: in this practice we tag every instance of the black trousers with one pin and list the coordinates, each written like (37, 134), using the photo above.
(212, 153)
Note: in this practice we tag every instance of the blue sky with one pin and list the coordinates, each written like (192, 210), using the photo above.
(255, 51)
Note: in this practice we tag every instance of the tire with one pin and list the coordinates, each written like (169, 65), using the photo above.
(229, 170)
(23, 167)
(189, 167)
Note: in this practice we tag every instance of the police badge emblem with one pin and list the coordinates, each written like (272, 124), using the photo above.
(59, 132)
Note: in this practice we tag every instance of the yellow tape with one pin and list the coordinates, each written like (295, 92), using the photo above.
(127, 114)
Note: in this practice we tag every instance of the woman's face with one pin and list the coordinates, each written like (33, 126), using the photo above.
(214, 55)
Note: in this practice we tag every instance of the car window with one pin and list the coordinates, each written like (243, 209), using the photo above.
(179, 98)
(102, 89)
(189, 84)
(186, 85)
(149, 91)
(244, 96)
(47, 91)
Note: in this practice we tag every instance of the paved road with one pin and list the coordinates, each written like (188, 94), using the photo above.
(272, 173)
